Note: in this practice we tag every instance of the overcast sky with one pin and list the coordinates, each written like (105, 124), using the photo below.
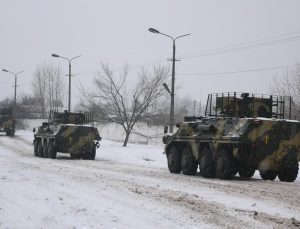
(117, 32)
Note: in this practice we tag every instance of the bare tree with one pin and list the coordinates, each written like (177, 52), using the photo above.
(48, 87)
(39, 88)
(55, 86)
(289, 85)
(124, 100)
(184, 106)
(7, 102)
(27, 107)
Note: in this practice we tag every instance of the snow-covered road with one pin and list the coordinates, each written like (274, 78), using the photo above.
(131, 188)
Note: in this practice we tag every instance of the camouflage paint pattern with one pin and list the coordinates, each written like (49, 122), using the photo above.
(241, 133)
(245, 107)
(255, 142)
(68, 138)
(76, 138)
(269, 141)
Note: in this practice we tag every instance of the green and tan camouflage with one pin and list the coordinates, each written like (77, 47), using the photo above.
(232, 138)
(7, 121)
(67, 133)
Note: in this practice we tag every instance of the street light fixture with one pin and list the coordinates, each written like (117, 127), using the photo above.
(15, 74)
(166, 88)
(152, 30)
(69, 60)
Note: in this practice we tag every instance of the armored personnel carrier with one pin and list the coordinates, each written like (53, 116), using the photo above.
(240, 133)
(67, 132)
(7, 121)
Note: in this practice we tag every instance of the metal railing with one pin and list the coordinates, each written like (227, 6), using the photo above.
(70, 117)
(236, 104)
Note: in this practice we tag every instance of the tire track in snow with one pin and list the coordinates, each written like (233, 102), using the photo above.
(139, 180)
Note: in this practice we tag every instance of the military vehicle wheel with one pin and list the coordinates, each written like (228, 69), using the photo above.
(188, 163)
(91, 154)
(87, 156)
(206, 164)
(10, 132)
(174, 162)
(45, 150)
(289, 168)
(235, 169)
(268, 174)
(40, 149)
(224, 166)
(36, 145)
(246, 172)
(51, 151)
(75, 156)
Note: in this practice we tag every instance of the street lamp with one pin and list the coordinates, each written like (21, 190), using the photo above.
(152, 30)
(15, 74)
(166, 88)
(55, 55)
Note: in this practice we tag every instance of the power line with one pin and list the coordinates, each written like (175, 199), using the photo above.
(235, 72)
(282, 38)
(247, 45)
(230, 48)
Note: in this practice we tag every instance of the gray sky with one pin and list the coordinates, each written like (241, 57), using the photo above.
(117, 32)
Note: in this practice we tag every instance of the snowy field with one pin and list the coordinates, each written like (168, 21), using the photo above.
(131, 188)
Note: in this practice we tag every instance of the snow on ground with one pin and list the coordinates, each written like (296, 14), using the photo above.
(131, 187)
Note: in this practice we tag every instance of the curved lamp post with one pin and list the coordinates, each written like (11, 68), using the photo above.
(15, 74)
(69, 60)
(152, 30)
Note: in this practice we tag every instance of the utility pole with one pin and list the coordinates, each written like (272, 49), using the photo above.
(152, 30)
(15, 74)
(70, 75)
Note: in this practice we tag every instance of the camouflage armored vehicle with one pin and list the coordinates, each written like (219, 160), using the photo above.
(7, 121)
(67, 132)
(240, 133)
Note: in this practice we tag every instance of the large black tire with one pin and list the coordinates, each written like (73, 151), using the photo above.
(45, 150)
(246, 172)
(224, 165)
(174, 160)
(268, 174)
(75, 156)
(235, 169)
(36, 144)
(91, 154)
(289, 168)
(188, 163)
(207, 169)
(40, 149)
(51, 150)
(10, 133)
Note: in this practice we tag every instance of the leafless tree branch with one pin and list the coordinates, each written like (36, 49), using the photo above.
(125, 100)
